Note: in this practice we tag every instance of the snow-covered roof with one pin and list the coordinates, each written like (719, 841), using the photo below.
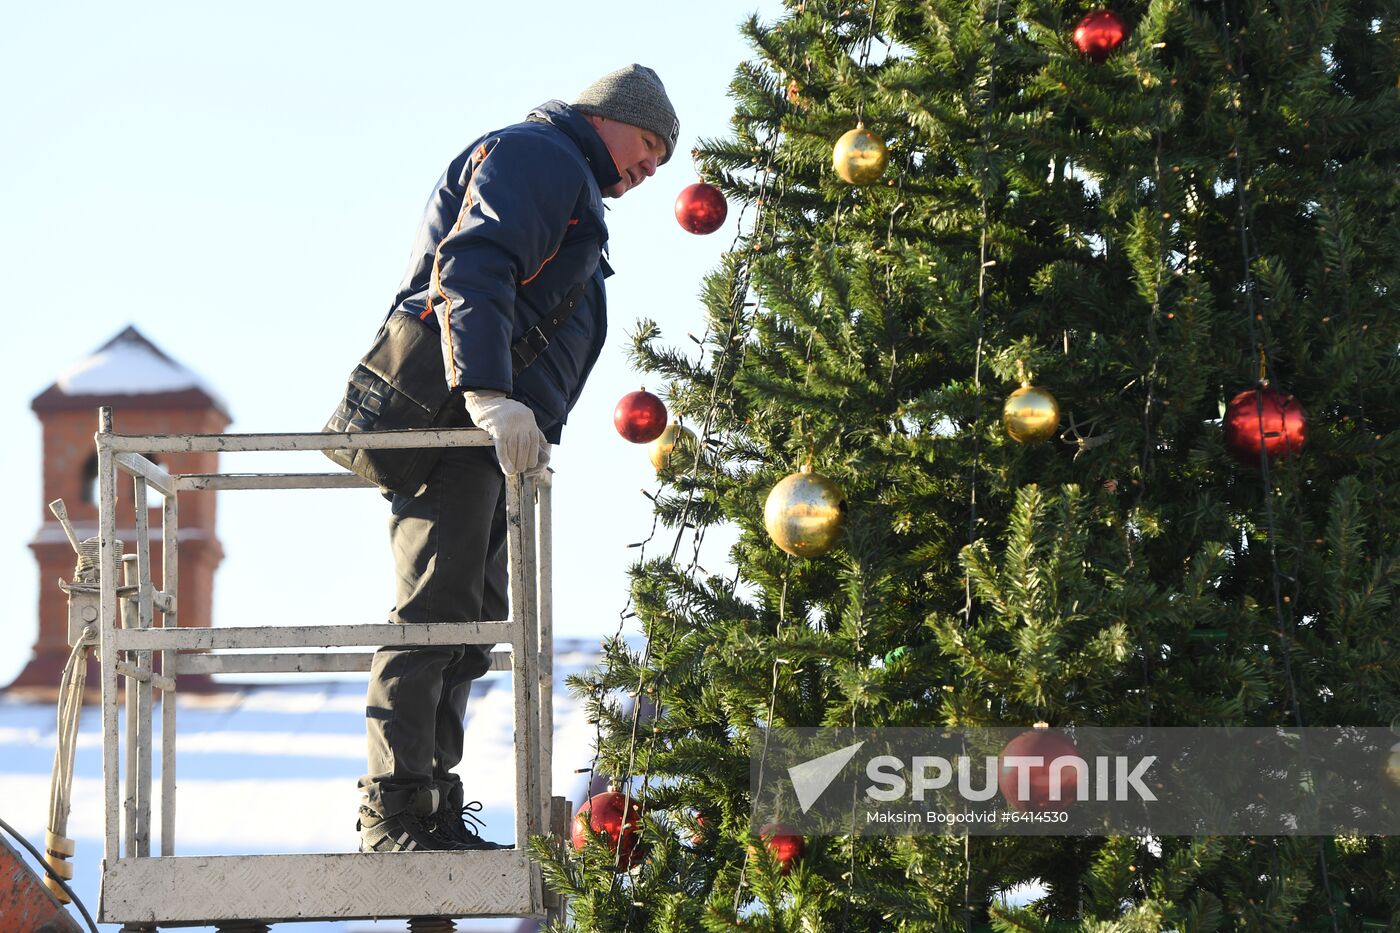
(272, 768)
(129, 365)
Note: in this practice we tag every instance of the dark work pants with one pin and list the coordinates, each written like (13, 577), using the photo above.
(449, 545)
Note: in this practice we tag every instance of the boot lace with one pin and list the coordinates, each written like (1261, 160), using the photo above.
(468, 825)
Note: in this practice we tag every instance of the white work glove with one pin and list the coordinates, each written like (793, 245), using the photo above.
(511, 425)
(542, 465)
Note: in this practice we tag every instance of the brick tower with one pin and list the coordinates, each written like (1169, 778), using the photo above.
(149, 393)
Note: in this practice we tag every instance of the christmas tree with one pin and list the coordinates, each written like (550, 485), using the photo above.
(1140, 218)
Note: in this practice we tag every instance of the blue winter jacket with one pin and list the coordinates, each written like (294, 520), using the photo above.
(514, 223)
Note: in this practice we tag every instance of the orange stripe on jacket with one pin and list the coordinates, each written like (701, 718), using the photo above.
(572, 221)
(481, 153)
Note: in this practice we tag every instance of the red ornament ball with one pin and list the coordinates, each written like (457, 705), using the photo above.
(1099, 33)
(640, 417)
(603, 812)
(1267, 419)
(702, 829)
(1046, 745)
(784, 842)
(701, 208)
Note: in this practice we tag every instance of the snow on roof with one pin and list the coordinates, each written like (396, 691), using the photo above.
(129, 364)
(272, 768)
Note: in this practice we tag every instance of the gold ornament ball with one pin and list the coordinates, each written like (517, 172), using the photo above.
(859, 157)
(673, 448)
(804, 514)
(1031, 415)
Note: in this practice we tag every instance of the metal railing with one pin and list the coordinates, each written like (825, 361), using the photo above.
(138, 621)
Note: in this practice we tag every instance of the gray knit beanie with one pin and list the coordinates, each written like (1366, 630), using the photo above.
(634, 95)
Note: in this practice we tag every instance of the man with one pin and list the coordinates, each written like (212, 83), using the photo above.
(513, 229)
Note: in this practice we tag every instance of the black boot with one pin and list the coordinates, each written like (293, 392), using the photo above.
(410, 829)
(458, 822)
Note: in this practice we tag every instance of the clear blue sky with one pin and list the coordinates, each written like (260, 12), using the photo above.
(242, 183)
